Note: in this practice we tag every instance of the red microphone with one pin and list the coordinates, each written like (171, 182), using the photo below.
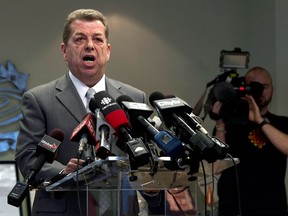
(85, 133)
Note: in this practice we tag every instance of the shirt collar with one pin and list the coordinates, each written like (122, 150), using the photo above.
(82, 88)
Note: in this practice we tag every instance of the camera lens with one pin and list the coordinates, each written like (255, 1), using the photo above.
(236, 112)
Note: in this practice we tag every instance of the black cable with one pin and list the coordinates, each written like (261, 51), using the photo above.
(77, 188)
(175, 200)
(212, 209)
(205, 189)
(237, 184)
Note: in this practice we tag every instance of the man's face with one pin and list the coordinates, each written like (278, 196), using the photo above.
(87, 51)
(265, 80)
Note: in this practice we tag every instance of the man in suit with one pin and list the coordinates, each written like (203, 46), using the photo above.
(61, 104)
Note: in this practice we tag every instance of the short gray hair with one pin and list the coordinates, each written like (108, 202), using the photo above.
(83, 14)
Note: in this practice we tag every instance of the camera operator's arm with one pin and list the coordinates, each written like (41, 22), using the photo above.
(220, 125)
(219, 132)
(277, 138)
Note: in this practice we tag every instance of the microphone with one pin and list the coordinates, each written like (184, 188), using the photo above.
(193, 120)
(169, 144)
(103, 131)
(85, 134)
(224, 92)
(165, 107)
(174, 112)
(133, 110)
(115, 116)
(46, 152)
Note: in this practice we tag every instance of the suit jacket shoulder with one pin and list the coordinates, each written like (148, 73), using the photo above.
(116, 88)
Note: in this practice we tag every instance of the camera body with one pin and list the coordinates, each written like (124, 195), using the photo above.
(235, 110)
(229, 88)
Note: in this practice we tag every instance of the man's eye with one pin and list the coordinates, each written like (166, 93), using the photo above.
(79, 39)
(98, 40)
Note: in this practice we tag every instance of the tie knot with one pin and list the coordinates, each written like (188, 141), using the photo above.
(90, 93)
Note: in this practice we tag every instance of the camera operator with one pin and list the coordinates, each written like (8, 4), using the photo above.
(256, 185)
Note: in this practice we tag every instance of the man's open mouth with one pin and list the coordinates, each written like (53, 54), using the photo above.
(89, 58)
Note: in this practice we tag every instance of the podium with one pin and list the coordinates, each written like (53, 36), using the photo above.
(157, 189)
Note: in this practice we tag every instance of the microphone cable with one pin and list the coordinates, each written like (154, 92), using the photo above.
(77, 187)
(237, 184)
(205, 187)
(176, 201)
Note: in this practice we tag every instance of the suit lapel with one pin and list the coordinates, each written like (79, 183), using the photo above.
(70, 98)
(113, 88)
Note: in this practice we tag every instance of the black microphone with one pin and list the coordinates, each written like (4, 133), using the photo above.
(103, 131)
(133, 110)
(167, 142)
(115, 116)
(46, 152)
(85, 134)
(165, 107)
(224, 92)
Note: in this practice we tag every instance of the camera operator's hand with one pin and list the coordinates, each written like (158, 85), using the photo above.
(276, 137)
(254, 111)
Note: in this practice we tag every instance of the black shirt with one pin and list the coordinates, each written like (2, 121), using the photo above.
(261, 172)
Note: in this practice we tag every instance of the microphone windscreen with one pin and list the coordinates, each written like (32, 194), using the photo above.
(170, 96)
(47, 148)
(58, 134)
(92, 105)
(122, 98)
(86, 126)
(224, 91)
(117, 119)
(105, 103)
(155, 96)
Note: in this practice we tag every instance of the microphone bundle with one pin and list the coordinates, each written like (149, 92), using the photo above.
(138, 112)
(178, 134)
(181, 136)
(135, 148)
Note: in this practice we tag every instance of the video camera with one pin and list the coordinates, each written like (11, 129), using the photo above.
(229, 88)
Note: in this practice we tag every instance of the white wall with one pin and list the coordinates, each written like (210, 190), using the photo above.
(168, 46)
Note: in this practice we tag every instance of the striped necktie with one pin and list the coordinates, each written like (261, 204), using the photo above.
(89, 95)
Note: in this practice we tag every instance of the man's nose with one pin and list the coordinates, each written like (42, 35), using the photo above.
(90, 44)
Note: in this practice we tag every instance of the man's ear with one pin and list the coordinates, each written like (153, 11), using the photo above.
(63, 50)
(108, 52)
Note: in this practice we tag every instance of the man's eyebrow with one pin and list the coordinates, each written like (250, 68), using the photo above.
(98, 34)
(79, 33)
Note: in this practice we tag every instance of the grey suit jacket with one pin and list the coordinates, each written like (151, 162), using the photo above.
(49, 106)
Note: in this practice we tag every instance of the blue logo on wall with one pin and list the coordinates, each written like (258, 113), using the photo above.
(12, 86)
